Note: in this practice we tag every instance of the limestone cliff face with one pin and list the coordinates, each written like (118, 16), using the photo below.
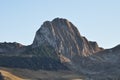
(64, 37)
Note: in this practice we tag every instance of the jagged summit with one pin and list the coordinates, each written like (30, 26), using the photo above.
(64, 37)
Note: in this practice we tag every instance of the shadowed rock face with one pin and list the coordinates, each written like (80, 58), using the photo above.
(64, 37)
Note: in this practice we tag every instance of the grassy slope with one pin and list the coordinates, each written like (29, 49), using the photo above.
(9, 75)
(40, 74)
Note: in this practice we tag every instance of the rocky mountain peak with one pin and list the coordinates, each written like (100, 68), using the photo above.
(64, 37)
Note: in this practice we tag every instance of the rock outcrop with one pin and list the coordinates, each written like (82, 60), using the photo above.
(10, 48)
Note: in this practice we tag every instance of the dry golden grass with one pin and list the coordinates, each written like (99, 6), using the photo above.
(10, 76)
(26, 74)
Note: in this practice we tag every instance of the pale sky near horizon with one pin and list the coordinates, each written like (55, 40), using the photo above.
(97, 20)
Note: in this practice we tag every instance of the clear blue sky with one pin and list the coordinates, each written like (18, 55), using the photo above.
(98, 20)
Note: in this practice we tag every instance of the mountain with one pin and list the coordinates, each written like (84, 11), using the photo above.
(58, 45)
(57, 41)
(65, 38)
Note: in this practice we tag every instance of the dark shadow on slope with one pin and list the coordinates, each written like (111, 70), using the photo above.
(34, 63)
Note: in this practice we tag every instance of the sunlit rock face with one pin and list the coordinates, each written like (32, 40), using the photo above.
(65, 38)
